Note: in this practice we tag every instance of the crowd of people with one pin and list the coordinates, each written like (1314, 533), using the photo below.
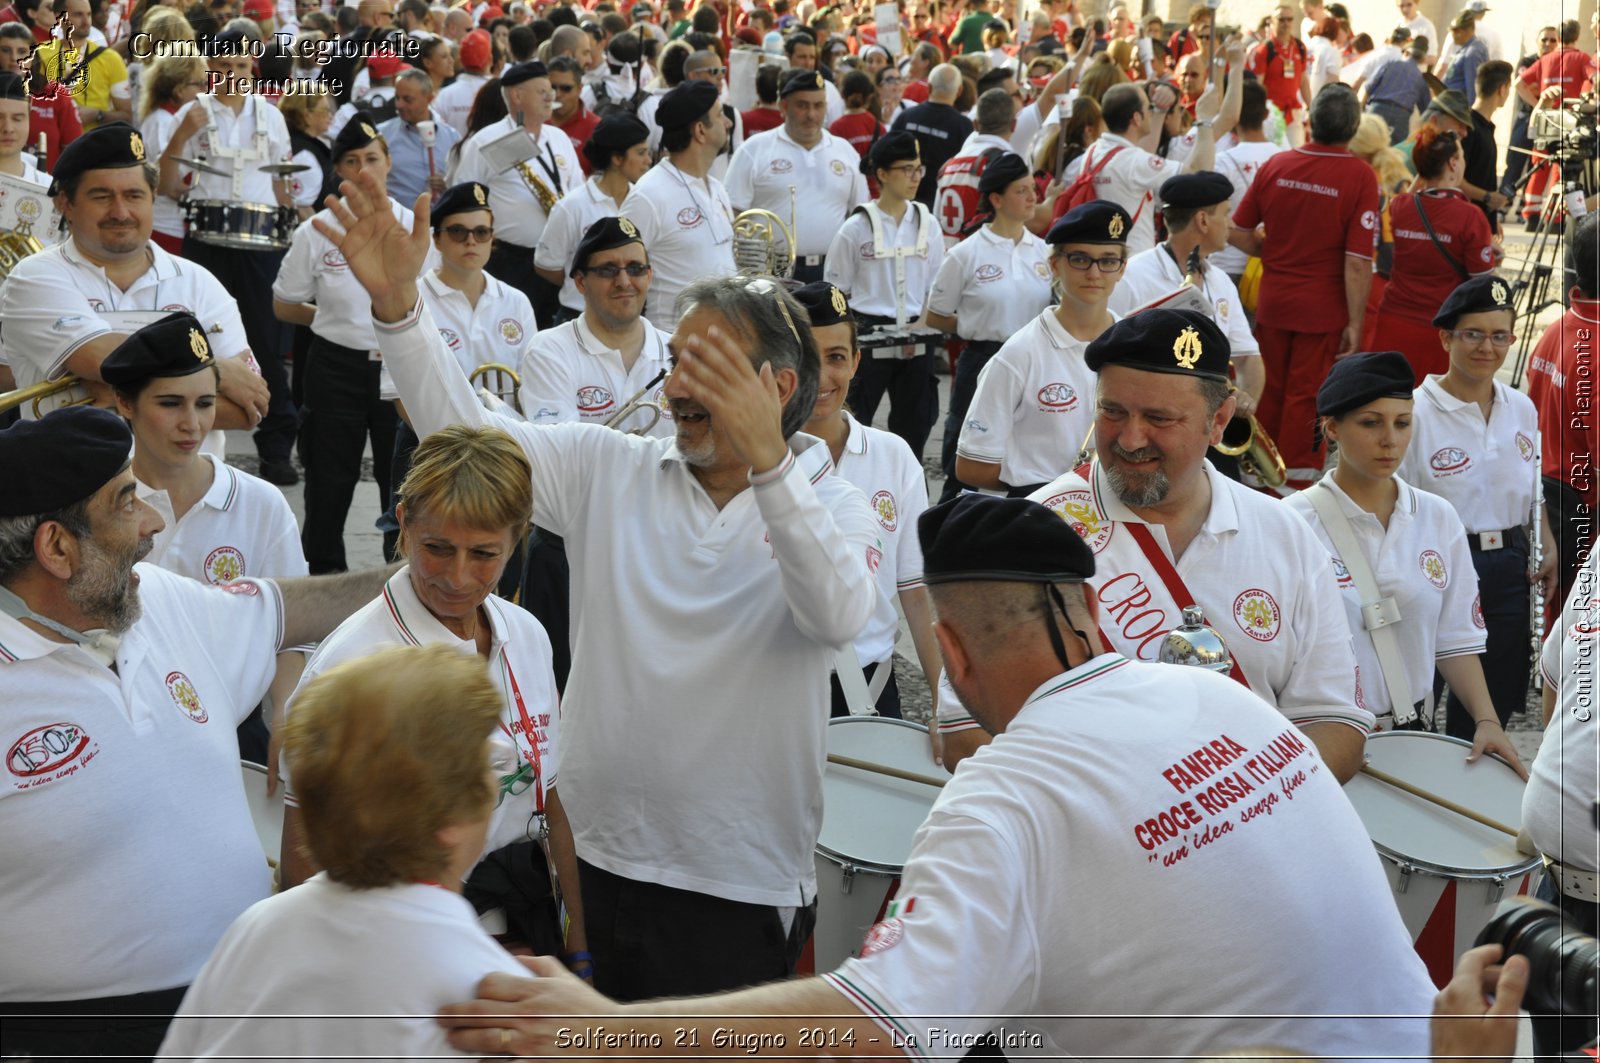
(705, 246)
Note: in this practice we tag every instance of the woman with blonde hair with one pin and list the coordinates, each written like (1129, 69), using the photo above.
(1102, 74)
(1124, 55)
(166, 85)
(162, 28)
(308, 112)
(392, 772)
(1371, 146)
(464, 506)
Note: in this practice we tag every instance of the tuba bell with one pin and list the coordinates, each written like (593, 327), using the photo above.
(500, 381)
(763, 244)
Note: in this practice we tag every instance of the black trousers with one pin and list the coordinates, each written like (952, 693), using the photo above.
(808, 274)
(248, 277)
(910, 384)
(1572, 527)
(343, 411)
(888, 703)
(513, 264)
(1504, 597)
(547, 594)
(129, 1028)
(974, 356)
(651, 941)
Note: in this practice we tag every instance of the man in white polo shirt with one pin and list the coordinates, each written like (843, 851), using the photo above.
(681, 211)
(711, 641)
(800, 172)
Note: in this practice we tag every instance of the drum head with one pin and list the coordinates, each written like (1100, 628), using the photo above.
(266, 812)
(869, 819)
(1433, 838)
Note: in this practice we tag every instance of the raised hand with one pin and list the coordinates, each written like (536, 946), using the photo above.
(381, 254)
(745, 406)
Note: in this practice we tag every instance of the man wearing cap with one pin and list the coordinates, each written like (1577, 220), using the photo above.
(800, 172)
(455, 99)
(749, 544)
(884, 259)
(1035, 399)
(1092, 788)
(801, 49)
(67, 307)
(417, 163)
(122, 686)
(1395, 88)
(682, 212)
(523, 196)
(1468, 54)
(238, 132)
(619, 154)
(1315, 278)
(344, 408)
(1169, 530)
(1195, 208)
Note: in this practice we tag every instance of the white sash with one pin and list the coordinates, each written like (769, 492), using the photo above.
(238, 157)
(882, 249)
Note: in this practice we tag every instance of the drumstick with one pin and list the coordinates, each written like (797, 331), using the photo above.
(884, 769)
(1442, 802)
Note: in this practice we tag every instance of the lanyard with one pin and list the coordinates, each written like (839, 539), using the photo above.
(528, 732)
(550, 168)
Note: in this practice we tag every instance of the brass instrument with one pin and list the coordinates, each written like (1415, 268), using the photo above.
(37, 393)
(763, 246)
(543, 192)
(639, 402)
(20, 242)
(499, 380)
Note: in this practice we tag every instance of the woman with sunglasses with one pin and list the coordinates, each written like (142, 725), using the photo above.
(1413, 545)
(1475, 443)
(1440, 239)
(464, 507)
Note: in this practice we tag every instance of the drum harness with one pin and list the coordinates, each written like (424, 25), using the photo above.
(236, 156)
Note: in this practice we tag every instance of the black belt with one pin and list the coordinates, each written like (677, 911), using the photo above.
(982, 346)
(327, 346)
(1489, 541)
(506, 245)
(156, 1002)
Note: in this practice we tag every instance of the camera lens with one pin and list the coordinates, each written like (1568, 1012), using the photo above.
(1564, 974)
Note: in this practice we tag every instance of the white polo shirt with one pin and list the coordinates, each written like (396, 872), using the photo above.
(518, 216)
(1034, 404)
(568, 374)
(782, 572)
(993, 917)
(1239, 164)
(868, 280)
(826, 180)
(135, 770)
(242, 526)
(499, 329)
(882, 467)
(156, 129)
(1558, 805)
(1488, 470)
(687, 226)
(1151, 274)
(992, 285)
(454, 102)
(253, 999)
(518, 663)
(1422, 561)
(314, 271)
(1131, 180)
(237, 143)
(571, 218)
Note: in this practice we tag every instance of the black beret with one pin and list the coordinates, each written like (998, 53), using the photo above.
(11, 87)
(801, 81)
(463, 198)
(62, 458)
(603, 235)
(231, 42)
(688, 102)
(1476, 296)
(1163, 341)
(890, 149)
(116, 146)
(982, 537)
(1362, 378)
(824, 303)
(614, 135)
(356, 134)
(1098, 221)
(1001, 172)
(1193, 191)
(517, 73)
(176, 345)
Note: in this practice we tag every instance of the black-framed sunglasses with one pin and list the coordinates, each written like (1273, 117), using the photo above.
(610, 273)
(480, 234)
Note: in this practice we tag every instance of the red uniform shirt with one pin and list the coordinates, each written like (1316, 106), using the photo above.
(1181, 44)
(1422, 279)
(1302, 282)
(859, 129)
(56, 117)
(1279, 70)
(955, 203)
(579, 127)
(915, 92)
(760, 119)
(1566, 66)
(1561, 376)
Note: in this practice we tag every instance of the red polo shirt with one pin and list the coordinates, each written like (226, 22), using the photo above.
(1561, 383)
(1422, 278)
(1566, 66)
(54, 115)
(1279, 69)
(1320, 205)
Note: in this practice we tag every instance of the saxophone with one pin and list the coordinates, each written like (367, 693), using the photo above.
(543, 192)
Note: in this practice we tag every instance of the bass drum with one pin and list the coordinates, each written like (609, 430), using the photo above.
(247, 226)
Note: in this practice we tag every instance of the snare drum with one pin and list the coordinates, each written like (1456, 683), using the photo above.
(251, 226)
(1447, 872)
(266, 812)
(868, 821)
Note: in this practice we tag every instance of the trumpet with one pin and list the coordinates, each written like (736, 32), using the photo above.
(1244, 438)
(639, 402)
(37, 393)
(499, 380)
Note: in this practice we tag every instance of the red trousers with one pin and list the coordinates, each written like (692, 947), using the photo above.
(1296, 364)
(1417, 340)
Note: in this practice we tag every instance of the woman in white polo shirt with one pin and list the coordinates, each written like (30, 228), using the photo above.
(464, 507)
(1475, 443)
(1415, 547)
(988, 287)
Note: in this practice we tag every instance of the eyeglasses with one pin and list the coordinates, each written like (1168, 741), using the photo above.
(710, 71)
(763, 286)
(1472, 336)
(1548, 40)
(459, 233)
(909, 169)
(563, 88)
(1081, 262)
(517, 783)
(610, 273)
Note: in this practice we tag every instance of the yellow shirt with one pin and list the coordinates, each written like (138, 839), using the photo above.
(92, 84)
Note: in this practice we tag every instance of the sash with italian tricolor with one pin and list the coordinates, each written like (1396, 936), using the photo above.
(900, 906)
